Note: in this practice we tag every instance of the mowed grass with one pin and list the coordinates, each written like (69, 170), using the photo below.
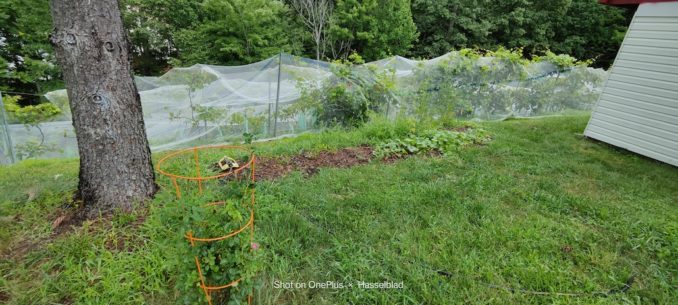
(540, 215)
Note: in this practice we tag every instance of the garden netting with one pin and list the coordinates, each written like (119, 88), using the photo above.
(6, 153)
(285, 94)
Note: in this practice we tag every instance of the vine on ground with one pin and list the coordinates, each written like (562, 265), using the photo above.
(441, 141)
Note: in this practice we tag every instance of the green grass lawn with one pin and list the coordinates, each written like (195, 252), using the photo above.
(538, 209)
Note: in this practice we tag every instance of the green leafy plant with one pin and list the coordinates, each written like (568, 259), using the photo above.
(222, 261)
(249, 122)
(32, 149)
(349, 95)
(204, 115)
(32, 116)
(441, 141)
(194, 79)
(493, 84)
(248, 138)
(209, 114)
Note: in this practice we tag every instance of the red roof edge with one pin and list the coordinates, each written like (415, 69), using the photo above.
(630, 2)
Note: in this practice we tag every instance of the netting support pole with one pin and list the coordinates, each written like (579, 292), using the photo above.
(277, 97)
(8, 137)
(388, 108)
(268, 121)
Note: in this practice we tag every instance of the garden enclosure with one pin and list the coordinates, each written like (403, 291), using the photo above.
(285, 94)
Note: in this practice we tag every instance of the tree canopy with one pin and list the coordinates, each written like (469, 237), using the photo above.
(168, 33)
(372, 28)
(27, 61)
(582, 28)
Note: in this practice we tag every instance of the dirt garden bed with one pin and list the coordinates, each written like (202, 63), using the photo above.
(309, 164)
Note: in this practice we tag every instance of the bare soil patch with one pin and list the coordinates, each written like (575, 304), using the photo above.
(272, 168)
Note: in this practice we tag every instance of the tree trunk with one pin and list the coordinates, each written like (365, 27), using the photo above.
(93, 52)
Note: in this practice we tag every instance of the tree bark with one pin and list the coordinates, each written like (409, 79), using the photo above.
(93, 51)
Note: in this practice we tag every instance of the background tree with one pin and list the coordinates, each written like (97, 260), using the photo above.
(27, 62)
(93, 51)
(152, 25)
(582, 28)
(373, 28)
(167, 33)
(315, 14)
(397, 28)
(591, 31)
(235, 32)
(446, 25)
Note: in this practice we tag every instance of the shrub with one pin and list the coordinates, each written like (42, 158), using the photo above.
(349, 96)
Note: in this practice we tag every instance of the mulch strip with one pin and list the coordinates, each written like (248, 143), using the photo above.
(271, 168)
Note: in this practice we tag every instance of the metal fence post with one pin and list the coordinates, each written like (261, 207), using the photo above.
(268, 120)
(8, 137)
(277, 97)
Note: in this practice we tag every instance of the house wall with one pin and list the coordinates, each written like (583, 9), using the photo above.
(638, 109)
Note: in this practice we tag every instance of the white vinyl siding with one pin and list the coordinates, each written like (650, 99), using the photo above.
(638, 109)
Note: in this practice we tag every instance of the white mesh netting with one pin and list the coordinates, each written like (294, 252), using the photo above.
(206, 104)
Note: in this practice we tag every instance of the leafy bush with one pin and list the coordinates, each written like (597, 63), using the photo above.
(442, 141)
(221, 261)
(493, 84)
(348, 97)
(469, 83)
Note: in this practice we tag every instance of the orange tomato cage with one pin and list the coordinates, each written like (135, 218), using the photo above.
(197, 178)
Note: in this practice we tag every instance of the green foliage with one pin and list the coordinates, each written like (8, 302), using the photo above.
(469, 83)
(33, 149)
(591, 31)
(466, 85)
(27, 62)
(582, 28)
(348, 97)
(562, 61)
(195, 79)
(31, 116)
(537, 208)
(166, 33)
(221, 262)
(223, 206)
(440, 141)
(451, 24)
(249, 122)
(235, 32)
(248, 138)
(208, 32)
(209, 114)
(374, 28)
(151, 25)
(11, 102)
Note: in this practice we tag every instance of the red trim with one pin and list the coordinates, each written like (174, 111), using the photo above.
(629, 2)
